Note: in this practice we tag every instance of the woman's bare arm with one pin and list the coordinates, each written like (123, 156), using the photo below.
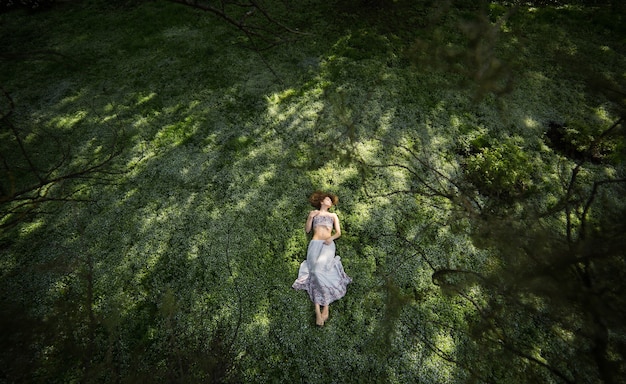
(309, 221)
(337, 229)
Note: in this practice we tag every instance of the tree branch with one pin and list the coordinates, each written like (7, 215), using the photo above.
(587, 207)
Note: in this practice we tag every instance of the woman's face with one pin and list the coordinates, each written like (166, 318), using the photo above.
(327, 201)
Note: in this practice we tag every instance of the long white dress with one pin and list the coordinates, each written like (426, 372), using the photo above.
(322, 274)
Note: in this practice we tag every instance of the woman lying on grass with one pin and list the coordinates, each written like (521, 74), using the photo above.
(322, 274)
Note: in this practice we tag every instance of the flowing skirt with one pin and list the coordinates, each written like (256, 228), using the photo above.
(322, 274)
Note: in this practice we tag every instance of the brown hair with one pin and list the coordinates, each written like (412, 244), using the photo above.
(318, 196)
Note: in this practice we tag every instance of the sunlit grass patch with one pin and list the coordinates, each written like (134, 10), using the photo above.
(176, 134)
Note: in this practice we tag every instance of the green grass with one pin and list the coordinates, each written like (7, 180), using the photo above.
(181, 266)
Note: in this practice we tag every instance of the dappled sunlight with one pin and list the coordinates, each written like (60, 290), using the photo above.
(331, 175)
(142, 99)
(260, 324)
(386, 120)
(70, 121)
(181, 258)
(568, 335)
(604, 116)
(444, 342)
(530, 122)
(32, 227)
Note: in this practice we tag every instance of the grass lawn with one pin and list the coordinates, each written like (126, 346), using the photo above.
(179, 263)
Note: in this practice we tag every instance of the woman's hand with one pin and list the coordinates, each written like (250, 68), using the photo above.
(309, 220)
(329, 241)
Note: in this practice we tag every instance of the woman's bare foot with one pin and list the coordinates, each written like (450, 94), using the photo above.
(319, 318)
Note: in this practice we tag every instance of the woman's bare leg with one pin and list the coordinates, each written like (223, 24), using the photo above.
(318, 315)
(325, 312)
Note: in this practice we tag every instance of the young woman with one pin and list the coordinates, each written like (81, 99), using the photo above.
(322, 274)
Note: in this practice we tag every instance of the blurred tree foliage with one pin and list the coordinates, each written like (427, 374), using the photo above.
(44, 171)
(551, 307)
